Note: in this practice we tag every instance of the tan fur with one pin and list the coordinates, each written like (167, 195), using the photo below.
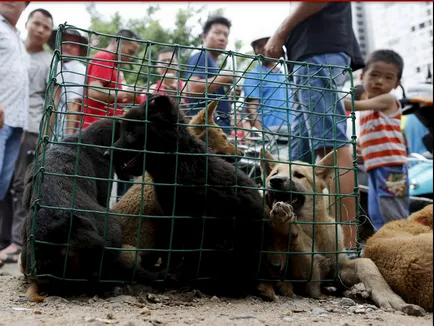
(329, 237)
(130, 203)
(32, 293)
(284, 224)
(403, 252)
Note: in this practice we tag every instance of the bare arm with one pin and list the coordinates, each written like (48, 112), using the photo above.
(108, 96)
(197, 86)
(72, 119)
(2, 116)
(385, 102)
(304, 10)
(252, 109)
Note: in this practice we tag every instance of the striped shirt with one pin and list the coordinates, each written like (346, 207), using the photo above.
(14, 75)
(381, 139)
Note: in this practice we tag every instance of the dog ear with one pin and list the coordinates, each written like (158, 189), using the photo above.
(268, 164)
(325, 168)
(201, 118)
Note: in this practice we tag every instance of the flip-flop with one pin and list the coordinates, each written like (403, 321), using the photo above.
(11, 258)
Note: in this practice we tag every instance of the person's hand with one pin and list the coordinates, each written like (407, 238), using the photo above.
(273, 48)
(238, 90)
(125, 97)
(2, 116)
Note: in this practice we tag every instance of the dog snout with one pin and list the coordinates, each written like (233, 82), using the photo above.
(274, 267)
(240, 152)
(277, 181)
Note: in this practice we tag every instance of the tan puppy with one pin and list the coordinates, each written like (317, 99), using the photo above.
(302, 187)
(140, 199)
(403, 252)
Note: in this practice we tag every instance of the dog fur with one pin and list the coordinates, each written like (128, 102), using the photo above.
(231, 236)
(295, 185)
(403, 252)
(306, 266)
(130, 203)
(84, 231)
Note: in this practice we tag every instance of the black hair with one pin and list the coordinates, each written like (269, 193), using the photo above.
(128, 33)
(358, 92)
(167, 50)
(27, 3)
(46, 13)
(216, 20)
(388, 56)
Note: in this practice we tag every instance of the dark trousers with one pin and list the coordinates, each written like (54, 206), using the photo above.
(12, 212)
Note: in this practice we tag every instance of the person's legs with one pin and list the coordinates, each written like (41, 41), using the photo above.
(10, 140)
(26, 156)
(373, 200)
(326, 123)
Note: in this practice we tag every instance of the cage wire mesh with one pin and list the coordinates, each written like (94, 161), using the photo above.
(140, 78)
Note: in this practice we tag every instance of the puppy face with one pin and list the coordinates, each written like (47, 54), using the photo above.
(297, 183)
(151, 126)
(215, 137)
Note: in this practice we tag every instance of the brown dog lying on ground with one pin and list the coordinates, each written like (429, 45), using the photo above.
(403, 252)
(130, 203)
(301, 187)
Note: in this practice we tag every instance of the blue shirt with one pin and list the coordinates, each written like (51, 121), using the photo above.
(203, 65)
(414, 131)
(272, 90)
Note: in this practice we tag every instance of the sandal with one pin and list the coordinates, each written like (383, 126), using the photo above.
(11, 258)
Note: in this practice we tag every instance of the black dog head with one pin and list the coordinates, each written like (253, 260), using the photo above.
(151, 126)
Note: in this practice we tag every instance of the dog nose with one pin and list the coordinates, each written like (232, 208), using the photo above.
(274, 267)
(240, 152)
(276, 181)
(107, 154)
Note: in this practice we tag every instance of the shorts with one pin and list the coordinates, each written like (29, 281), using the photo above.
(388, 195)
(320, 120)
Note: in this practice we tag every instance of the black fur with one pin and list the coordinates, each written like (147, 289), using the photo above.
(87, 233)
(234, 208)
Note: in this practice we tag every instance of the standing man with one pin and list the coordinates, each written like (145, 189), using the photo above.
(267, 93)
(105, 81)
(203, 74)
(71, 75)
(14, 103)
(321, 33)
(20, 111)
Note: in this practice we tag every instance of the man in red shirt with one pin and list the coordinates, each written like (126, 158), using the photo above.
(105, 79)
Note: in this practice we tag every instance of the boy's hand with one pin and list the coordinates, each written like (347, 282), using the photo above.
(2, 116)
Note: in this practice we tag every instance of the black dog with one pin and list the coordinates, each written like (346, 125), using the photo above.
(219, 215)
(71, 209)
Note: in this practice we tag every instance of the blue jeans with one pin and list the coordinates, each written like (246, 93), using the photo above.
(10, 142)
(388, 196)
(320, 120)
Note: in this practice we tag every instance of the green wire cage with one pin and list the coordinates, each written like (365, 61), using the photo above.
(137, 77)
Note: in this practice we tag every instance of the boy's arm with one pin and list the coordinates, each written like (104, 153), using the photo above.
(385, 102)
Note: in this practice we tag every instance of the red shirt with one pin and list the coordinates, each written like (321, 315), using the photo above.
(103, 68)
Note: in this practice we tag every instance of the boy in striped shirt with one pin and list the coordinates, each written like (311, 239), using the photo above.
(381, 139)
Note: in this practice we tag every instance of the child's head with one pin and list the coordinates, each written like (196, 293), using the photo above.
(359, 93)
(382, 73)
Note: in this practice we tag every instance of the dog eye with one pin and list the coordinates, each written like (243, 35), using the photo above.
(298, 175)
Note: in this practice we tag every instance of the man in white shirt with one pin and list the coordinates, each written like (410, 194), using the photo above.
(14, 100)
(71, 78)
(39, 25)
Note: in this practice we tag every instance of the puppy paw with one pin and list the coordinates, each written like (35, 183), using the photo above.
(285, 289)
(266, 292)
(282, 213)
(413, 310)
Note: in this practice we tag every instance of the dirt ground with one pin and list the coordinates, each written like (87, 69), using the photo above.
(136, 306)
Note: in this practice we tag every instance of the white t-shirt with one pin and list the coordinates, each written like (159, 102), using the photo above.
(71, 77)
